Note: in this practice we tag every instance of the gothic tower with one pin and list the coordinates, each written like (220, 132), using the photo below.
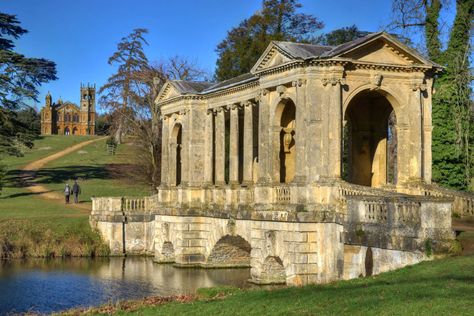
(87, 107)
(47, 116)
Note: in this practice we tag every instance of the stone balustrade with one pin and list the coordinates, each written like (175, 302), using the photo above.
(463, 202)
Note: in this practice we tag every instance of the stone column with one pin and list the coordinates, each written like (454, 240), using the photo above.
(220, 147)
(427, 131)
(264, 137)
(185, 146)
(248, 144)
(164, 151)
(417, 136)
(208, 163)
(300, 131)
(234, 145)
(335, 126)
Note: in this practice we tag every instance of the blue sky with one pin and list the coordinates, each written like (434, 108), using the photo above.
(80, 35)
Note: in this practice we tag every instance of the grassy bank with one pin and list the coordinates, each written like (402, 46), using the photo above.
(31, 226)
(440, 287)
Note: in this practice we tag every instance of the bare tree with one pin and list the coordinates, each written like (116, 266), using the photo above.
(130, 95)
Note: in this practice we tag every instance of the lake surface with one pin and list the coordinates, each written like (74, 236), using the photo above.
(52, 285)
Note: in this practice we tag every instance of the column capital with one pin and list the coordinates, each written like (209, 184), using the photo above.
(298, 83)
(261, 94)
(418, 85)
(333, 80)
(281, 90)
(249, 103)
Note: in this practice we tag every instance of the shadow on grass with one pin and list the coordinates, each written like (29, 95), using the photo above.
(22, 194)
(66, 174)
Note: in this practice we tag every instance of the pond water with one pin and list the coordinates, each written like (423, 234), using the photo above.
(52, 285)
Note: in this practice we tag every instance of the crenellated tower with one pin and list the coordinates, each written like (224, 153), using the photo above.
(87, 107)
(47, 116)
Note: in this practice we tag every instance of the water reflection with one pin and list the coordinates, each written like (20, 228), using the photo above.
(52, 285)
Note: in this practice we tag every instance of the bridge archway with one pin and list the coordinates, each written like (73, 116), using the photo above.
(285, 117)
(230, 251)
(370, 139)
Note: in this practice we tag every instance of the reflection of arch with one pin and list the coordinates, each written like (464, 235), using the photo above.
(370, 139)
(66, 131)
(273, 271)
(230, 251)
(167, 252)
(176, 141)
(74, 131)
(285, 117)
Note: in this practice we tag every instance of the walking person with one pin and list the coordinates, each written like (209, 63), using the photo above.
(67, 193)
(76, 190)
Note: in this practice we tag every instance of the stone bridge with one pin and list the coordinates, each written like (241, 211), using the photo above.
(312, 167)
(367, 233)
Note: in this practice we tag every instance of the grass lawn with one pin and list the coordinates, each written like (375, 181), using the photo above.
(33, 226)
(439, 287)
(99, 173)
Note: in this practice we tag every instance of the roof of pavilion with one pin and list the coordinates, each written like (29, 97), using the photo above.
(291, 52)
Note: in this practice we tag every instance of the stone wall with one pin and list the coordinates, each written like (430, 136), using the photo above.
(360, 261)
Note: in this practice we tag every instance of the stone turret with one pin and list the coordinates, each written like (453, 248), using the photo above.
(49, 101)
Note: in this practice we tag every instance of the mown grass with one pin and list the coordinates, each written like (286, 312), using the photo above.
(98, 173)
(31, 226)
(439, 287)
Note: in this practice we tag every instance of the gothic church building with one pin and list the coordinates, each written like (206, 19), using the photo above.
(66, 118)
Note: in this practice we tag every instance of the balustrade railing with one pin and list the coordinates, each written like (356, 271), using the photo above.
(463, 202)
(133, 204)
(282, 194)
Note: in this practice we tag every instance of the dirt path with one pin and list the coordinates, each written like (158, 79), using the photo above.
(28, 176)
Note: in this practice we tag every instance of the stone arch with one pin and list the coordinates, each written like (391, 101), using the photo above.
(273, 271)
(370, 138)
(285, 134)
(74, 131)
(394, 98)
(176, 142)
(230, 251)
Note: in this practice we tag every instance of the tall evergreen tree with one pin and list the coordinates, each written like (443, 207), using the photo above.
(20, 78)
(342, 35)
(452, 103)
(277, 20)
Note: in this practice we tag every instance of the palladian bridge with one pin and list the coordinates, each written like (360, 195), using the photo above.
(313, 167)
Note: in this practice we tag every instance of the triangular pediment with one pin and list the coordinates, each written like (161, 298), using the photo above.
(385, 49)
(168, 91)
(272, 57)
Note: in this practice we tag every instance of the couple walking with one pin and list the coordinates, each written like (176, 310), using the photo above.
(75, 190)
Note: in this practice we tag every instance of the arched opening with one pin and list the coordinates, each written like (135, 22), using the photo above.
(167, 252)
(230, 251)
(176, 141)
(370, 140)
(287, 141)
(273, 271)
(66, 131)
(74, 131)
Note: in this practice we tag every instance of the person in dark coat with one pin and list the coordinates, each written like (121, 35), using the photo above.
(67, 192)
(76, 190)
